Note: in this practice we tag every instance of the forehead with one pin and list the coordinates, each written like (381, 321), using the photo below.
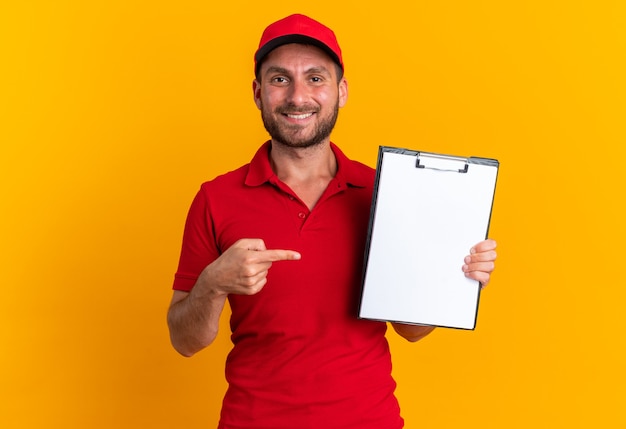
(295, 56)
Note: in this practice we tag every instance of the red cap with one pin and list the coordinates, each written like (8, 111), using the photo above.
(297, 29)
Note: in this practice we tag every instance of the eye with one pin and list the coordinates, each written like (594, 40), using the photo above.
(279, 79)
(316, 79)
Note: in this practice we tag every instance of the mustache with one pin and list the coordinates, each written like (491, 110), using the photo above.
(292, 108)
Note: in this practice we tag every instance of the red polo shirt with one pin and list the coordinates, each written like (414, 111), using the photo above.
(301, 357)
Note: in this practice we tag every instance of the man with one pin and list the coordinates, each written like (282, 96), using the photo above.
(282, 239)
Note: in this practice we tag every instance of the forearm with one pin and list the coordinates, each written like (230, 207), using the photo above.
(412, 333)
(193, 321)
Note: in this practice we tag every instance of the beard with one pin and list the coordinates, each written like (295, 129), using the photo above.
(293, 135)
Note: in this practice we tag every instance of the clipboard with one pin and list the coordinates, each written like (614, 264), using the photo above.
(427, 211)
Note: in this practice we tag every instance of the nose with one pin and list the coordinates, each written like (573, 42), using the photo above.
(298, 92)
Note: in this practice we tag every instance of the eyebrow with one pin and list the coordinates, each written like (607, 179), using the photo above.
(276, 69)
(312, 70)
(319, 70)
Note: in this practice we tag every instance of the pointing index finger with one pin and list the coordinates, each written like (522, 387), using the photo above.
(274, 255)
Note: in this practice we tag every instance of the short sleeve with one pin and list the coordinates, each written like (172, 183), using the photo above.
(199, 248)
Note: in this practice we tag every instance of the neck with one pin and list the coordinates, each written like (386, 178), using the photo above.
(303, 164)
(307, 171)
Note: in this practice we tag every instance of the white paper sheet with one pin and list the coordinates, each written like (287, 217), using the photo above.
(424, 221)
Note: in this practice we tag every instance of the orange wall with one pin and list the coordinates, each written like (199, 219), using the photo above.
(112, 114)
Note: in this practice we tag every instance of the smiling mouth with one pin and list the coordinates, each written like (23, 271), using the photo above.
(299, 115)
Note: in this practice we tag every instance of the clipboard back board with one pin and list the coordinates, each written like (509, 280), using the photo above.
(427, 211)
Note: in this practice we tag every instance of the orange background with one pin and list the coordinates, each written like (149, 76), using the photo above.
(113, 112)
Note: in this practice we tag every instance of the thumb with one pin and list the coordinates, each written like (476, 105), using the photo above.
(250, 244)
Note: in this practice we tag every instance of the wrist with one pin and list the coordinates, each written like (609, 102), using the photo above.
(206, 290)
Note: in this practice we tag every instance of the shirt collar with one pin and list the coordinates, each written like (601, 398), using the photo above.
(260, 170)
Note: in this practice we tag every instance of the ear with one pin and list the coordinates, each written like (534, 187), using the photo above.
(343, 92)
(256, 91)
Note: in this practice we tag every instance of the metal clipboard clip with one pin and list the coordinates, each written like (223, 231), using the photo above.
(438, 162)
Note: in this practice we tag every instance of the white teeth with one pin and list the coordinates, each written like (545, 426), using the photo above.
(302, 116)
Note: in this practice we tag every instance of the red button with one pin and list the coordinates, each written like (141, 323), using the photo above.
(301, 215)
